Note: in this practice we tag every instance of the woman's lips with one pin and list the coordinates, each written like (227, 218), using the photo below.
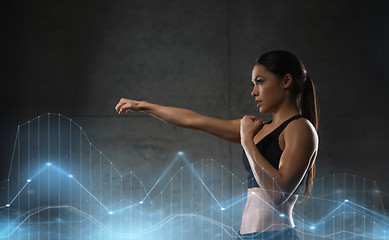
(259, 103)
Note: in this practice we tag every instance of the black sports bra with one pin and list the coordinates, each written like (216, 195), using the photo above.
(270, 149)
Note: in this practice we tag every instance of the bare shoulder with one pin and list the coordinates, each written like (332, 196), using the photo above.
(302, 129)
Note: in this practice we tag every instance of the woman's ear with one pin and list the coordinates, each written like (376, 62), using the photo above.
(287, 80)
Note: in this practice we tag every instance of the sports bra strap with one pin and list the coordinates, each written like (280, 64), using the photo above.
(285, 123)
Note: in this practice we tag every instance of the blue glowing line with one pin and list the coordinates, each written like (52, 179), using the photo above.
(201, 180)
(163, 174)
(18, 193)
(63, 172)
(101, 204)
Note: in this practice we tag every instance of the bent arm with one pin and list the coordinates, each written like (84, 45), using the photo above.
(301, 143)
(228, 130)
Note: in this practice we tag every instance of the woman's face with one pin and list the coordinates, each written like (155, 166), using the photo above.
(267, 88)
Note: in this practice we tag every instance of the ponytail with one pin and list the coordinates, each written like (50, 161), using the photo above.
(308, 109)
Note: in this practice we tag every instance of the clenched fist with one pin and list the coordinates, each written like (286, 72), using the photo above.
(127, 104)
(250, 126)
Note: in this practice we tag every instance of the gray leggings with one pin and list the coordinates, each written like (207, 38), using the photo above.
(287, 234)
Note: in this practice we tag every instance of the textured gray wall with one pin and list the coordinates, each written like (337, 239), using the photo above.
(78, 58)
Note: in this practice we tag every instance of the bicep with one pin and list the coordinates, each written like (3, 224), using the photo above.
(300, 146)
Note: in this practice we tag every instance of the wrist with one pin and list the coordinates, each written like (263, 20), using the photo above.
(144, 105)
(246, 140)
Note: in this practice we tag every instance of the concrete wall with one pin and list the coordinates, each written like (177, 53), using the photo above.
(78, 58)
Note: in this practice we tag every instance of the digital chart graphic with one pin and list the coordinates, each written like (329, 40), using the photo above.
(61, 186)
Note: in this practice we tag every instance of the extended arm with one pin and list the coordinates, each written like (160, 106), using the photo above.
(228, 130)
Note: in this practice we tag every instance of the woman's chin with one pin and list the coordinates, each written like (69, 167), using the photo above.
(263, 111)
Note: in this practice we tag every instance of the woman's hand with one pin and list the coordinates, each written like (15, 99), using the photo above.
(249, 127)
(126, 104)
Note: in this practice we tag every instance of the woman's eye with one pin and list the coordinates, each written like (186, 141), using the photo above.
(257, 81)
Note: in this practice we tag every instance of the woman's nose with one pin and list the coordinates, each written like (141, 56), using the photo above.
(254, 92)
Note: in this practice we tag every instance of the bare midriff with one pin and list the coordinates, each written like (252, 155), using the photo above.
(260, 214)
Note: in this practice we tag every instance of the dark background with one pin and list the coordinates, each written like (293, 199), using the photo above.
(78, 58)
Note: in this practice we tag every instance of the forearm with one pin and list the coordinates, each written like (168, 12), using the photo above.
(179, 117)
(267, 177)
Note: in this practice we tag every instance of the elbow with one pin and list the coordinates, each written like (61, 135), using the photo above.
(280, 197)
(275, 197)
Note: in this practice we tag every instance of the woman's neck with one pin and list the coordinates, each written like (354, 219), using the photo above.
(284, 113)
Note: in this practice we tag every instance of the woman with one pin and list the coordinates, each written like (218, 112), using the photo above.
(279, 154)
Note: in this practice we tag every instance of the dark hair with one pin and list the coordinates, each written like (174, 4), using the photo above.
(280, 63)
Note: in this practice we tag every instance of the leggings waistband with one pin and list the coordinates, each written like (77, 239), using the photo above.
(286, 234)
